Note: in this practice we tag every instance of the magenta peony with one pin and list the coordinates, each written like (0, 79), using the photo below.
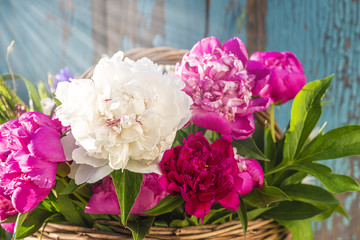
(30, 150)
(203, 174)
(222, 82)
(287, 75)
(105, 201)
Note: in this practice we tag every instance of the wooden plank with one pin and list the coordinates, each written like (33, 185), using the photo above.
(325, 35)
(48, 35)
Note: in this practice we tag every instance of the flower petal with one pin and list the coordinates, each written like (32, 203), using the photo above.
(87, 173)
(196, 208)
(206, 46)
(231, 201)
(211, 121)
(45, 144)
(237, 47)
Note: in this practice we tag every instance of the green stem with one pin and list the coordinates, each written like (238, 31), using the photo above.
(75, 194)
(272, 122)
(277, 169)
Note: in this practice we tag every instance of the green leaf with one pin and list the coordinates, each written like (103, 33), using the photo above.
(33, 223)
(256, 212)
(10, 219)
(43, 92)
(269, 145)
(243, 216)
(293, 210)
(19, 221)
(247, 148)
(2, 233)
(337, 143)
(300, 229)
(67, 206)
(179, 223)
(127, 187)
(305, 113)
(140, 227)
(335, 183)
(33, 95)
(314, 195)
(72, 187)
(263, 198)
(294, 178)
(167, 204)
(217, 215)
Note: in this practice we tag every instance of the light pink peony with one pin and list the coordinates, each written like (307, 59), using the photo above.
(287, 75)
(203, 174)
(104, 199)
(30, 150)
(222, 82)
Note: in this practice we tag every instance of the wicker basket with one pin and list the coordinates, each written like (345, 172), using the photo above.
(260, 229)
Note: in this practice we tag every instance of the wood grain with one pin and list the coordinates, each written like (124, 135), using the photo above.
(324, 34)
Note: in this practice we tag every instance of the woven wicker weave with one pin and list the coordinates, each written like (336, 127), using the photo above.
(259, 229)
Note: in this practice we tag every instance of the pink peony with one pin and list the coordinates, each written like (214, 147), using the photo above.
(104, 199)
(251, 173)
(287, 75)
(30, 150)
(203, 174)
(222, 82)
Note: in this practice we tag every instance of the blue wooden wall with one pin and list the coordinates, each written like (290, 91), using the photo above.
(324, 34)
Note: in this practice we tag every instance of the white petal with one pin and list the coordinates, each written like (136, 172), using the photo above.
(68, 143)
(80, 156)
(140, 167)
(86, 173)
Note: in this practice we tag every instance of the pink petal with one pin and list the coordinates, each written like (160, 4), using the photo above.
(45, 144)
(256, 172)
(247, 183)
(223, 144)
(196, 208)
(8, 226)
(237, 47)
(257, 105)
(206, 45)
(243, 127)
(27, 197)
(103, 203)
(211, 121)
(262, 75)
(231, 201)
(40, 172)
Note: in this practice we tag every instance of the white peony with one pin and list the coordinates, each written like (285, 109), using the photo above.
(125, 117)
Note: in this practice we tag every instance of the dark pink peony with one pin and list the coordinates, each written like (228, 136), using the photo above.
(287, 75)
(203, 174)
(104, 199)
(30, 150)
(222, 82)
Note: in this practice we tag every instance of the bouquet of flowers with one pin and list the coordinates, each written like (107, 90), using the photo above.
(147, 148)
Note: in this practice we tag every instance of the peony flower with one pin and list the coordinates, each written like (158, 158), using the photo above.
(63, 76)
(104, 199)
(222, 82)
(125, 117)
(250, 172)
(287, 75)
(202, 173)
(30, 150)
